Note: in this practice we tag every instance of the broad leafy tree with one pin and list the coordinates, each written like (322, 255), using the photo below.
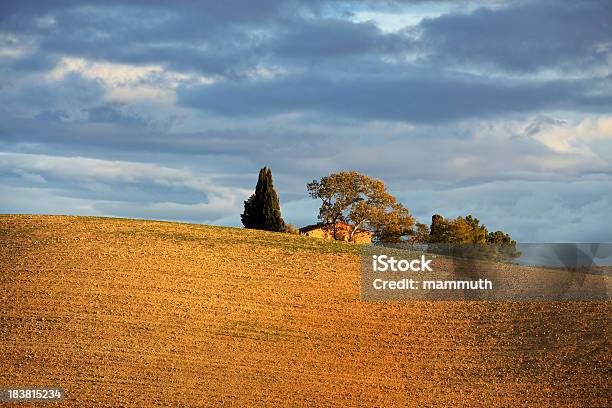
(363, 203)
(471, 238)
(420, 234)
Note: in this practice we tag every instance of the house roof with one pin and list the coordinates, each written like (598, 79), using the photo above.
(311, 227)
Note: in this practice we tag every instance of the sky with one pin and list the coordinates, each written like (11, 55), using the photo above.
(167, 110)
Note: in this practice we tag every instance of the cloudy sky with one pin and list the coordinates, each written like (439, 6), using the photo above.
(167, 110)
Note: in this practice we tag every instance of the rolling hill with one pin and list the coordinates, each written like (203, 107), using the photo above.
(142, 313)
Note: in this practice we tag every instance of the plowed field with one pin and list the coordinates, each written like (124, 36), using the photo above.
(141, 313)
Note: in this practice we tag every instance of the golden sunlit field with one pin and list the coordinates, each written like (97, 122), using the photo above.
(141, 313)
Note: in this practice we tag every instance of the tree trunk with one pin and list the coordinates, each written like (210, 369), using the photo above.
(354, 230)
(335, 221)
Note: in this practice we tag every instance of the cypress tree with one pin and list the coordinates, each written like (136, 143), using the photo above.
(436, 231)
(262, 209)
(248, 217)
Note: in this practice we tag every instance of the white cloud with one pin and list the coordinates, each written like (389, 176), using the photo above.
(102, 176)
(167, 211)
(133, 83)
(390, 21)
(127, 83)
(34, 200)
(575, 138)
(32, 177)
(87, 169)
(566, 210)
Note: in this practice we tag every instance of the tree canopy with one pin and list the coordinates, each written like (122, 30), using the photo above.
(463, 231)
(363, 203)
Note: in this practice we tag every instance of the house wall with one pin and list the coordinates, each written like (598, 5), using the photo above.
(363, 237)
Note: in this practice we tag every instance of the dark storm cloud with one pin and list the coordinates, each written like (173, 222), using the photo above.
(225, 38)
(72, 91)
(34, 63)
(209, 37)
(112, 114)
(413, 99)
(333, 38)
(228, 10)
(526, 37)
(214, 38)
(107, 129)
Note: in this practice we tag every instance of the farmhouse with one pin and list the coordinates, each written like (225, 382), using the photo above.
(326, 231)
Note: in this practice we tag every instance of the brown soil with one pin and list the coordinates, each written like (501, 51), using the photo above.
(142, 313)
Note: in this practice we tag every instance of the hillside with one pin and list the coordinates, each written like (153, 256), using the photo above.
(143, 313)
